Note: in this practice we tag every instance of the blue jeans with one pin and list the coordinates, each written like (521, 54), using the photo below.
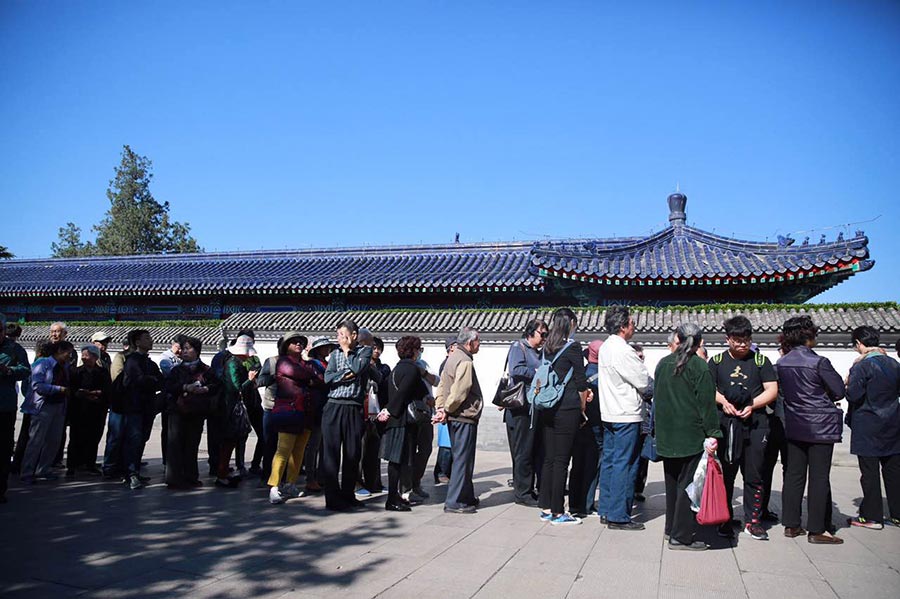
(618, 469)
(591, 502)
(124, 444)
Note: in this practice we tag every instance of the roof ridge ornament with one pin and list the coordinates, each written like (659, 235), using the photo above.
(677, 215)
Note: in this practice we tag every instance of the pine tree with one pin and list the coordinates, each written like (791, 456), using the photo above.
(5, 254)
(134, 224)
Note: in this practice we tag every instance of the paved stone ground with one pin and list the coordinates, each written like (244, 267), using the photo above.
(91, 538)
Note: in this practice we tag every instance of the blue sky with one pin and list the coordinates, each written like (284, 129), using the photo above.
(287, 124)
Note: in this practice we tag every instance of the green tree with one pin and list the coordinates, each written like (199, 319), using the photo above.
(5, 254)
(134, 224)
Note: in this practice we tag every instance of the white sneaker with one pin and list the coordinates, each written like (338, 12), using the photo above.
(275, 496)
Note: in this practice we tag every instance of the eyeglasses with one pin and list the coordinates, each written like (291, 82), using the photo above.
(543, 334)
(740, 340)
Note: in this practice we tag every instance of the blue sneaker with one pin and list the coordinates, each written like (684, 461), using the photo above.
(546, 516)
(565, 519)
(363, 492)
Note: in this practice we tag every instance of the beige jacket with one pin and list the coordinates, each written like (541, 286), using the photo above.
(459, 392)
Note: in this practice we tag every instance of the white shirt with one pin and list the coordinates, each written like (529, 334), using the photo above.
(621, 378)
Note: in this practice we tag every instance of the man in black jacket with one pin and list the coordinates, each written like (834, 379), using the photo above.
(142, 380)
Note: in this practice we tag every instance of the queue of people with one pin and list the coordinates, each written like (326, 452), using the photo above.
(577, 446)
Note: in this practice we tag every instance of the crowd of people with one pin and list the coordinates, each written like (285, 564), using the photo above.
(334, 410)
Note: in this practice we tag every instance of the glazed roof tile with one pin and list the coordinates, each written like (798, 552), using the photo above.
(680, 252)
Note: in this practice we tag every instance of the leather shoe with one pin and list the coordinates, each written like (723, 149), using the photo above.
(823, 539)
(527, 502)
(694, 546)
(625, 526)
(794, 531)
(397, 507)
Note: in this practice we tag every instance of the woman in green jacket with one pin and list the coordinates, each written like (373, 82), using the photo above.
(686, 425)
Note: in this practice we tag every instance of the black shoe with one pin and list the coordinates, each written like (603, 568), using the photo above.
(625, 526)
(769, 516)
(527, 502)
(640, 497)
(476, 503)
(695, 546)
(510, 482)
(337, 507)
(70, 473)
(726, 531)
(466, 509)
(397, 507)
(356, 503)
(227, 483)
(579, 515)
(144, 464)
(603, 520)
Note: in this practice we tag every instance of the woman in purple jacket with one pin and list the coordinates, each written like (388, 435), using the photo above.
(812, 425)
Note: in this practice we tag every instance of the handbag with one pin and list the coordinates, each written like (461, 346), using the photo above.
(648, 449)
(713, 502)
(510, 397)
(417, 411)
(238, 421)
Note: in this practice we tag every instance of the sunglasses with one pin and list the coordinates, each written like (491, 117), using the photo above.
(543, 334)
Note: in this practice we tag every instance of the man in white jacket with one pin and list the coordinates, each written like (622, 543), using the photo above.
(622, 378)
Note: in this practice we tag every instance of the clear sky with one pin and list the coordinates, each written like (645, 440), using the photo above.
(289, 124)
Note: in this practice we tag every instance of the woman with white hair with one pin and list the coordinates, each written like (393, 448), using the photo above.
(686, 425)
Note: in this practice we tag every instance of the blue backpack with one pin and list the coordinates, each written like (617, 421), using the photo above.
(546, 388)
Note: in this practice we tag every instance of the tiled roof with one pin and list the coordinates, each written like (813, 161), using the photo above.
(453, 267)
(162, 336)
(498, 325)
(676, 253)
(682, 252)
(652, 324)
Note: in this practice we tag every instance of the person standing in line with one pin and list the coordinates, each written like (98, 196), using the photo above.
(459, 402)
(14, 367)
(292, 416)
(376, 398)
(686, 425)
(88, 408)
(239, 383)
(47, 403)
(812, 425)
(59, 332)
(101, 340)
(142, 382)
(192, 394)
(640, 480)
(422, 441)
(318, 355)
(873, 387)
(406, 386)
(442, 464)
(113, 456)
(522, 361)
(745, 384)
(168, 360)
(244, 345)
(560, 423)
(347, 376)
(585, 475)
(266, 386)
(622, 380)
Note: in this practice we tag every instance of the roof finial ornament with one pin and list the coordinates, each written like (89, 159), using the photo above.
(677, 202)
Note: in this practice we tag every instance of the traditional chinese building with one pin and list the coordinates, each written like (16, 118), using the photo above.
(679, 265)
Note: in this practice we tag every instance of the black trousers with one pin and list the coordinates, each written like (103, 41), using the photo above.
(86, 422)
(814, 458)
(370, 466)
(342, 432)
(775, 446)
(461, 488)
(7, 436)
(559, 428)
(750, 465)
(585, 457)
(521, 447)
(21, 443)
(421, 446)
(184, 435)
(681, 523)
(213, 441)
(872, 507)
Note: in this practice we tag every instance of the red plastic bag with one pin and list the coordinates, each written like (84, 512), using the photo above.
(713, 502)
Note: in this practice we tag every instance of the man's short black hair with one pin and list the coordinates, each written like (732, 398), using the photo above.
(349, 325)
(738, 326)
(866, 335)
(378, 343)
(134, 335)
(616, 319)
